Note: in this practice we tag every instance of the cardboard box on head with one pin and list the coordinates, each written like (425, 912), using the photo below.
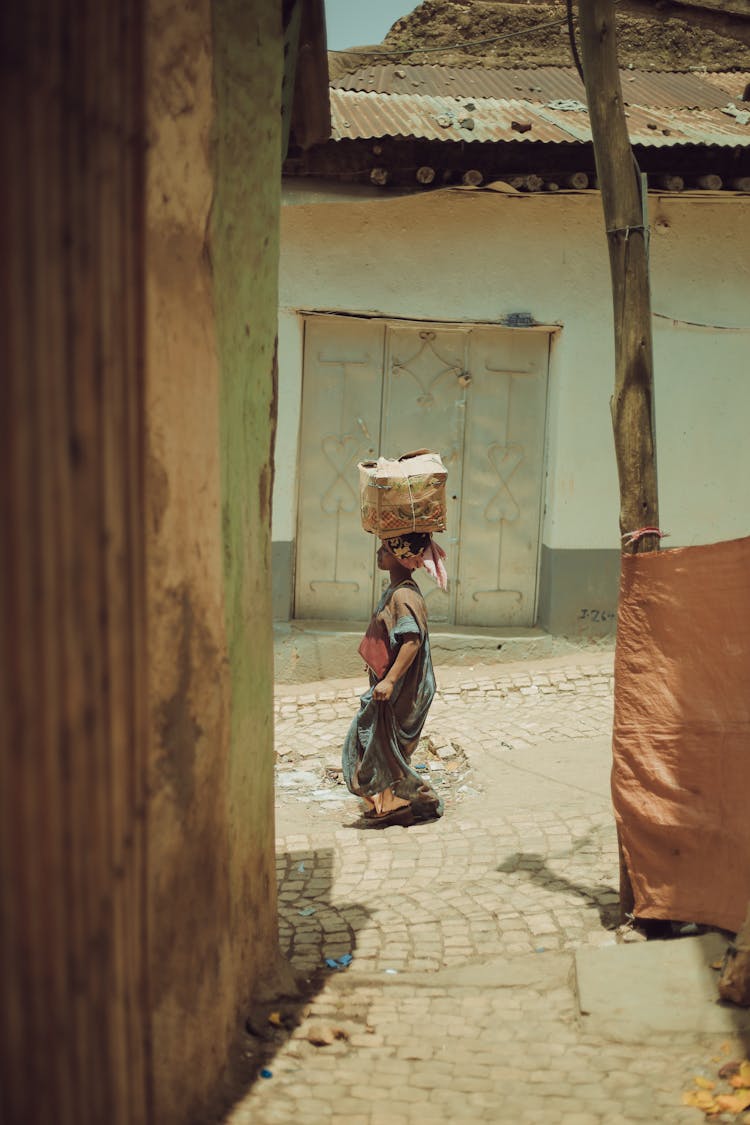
(403, 495)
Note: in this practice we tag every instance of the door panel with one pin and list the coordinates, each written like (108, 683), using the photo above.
(424, 408)
(503, 465)
(475, 393)
(340, 426)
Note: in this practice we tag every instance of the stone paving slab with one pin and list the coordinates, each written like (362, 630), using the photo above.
(441, 1053)
(460, 1001)
(503, 710)
(576, 671)
(323, 650)
(445, 893)
(630, 992)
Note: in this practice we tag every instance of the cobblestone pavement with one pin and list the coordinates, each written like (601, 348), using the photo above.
(516, 707)
(459, 1002)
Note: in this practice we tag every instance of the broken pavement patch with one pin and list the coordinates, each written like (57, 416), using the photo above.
(627, 992)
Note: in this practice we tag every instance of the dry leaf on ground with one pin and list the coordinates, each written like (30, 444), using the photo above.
(734, 1103)
(320, 1036)
(700, 1099)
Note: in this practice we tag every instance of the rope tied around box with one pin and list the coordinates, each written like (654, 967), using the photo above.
(411, 495)
(386, 487)
(403, 495)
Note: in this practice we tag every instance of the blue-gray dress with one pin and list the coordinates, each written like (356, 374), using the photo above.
(385, 733)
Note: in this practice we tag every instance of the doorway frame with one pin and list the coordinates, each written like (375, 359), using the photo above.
(551, 330)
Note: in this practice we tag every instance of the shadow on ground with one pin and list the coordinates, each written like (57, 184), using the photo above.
(314, 934)
(535, 868)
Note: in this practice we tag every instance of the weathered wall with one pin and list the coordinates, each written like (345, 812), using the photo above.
(214, 82)
(73, 652)
(136, 423)
(477, 256)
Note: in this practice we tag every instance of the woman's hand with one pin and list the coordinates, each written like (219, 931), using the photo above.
(408, 650)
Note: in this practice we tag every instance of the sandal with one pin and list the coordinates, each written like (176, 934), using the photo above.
(403, 816)
(423, 813)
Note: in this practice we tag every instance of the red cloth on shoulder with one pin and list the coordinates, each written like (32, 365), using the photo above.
(374, 649)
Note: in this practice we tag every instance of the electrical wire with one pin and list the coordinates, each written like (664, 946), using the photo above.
(678, 323)
(579, 68)
(368, 51)
(572, 38)
(568, 18)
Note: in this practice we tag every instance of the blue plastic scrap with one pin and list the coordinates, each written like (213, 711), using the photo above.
(308, 910)
(265, 1073)
(339, 962)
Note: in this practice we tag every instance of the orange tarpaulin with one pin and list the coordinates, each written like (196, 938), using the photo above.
(681, 744)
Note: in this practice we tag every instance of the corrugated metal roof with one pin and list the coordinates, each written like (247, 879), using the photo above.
(735, 82)
(356, 115)
(540, 84)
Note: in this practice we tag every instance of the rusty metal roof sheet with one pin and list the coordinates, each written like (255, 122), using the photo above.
(734, 82)
(541, 84)
(359, 115)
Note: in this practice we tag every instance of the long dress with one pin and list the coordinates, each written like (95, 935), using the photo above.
(384, 734)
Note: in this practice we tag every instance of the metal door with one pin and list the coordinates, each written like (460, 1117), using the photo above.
(503, 477)
(424, 406)
(478, 395)
(341, 404)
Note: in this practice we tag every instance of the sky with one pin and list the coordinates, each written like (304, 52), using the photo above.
(358, 23)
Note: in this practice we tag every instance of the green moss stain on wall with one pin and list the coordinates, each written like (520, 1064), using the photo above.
(248, 61)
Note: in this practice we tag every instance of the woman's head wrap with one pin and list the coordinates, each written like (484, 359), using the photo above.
(411, 545)
(416, 549)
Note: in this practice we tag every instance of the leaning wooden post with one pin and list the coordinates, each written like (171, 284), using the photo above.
(622, 201)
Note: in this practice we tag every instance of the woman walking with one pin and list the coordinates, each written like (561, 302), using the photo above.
(383, 736)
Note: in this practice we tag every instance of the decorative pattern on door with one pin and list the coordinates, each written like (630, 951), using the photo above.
(478, 395)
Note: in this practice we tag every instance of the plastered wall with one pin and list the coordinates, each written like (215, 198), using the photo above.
(214, 80)
(461, 255)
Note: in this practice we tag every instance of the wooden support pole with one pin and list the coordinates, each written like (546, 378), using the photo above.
(531, 182)
(670, 183)
(620, 187)
(710, 182)
(622, 201)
